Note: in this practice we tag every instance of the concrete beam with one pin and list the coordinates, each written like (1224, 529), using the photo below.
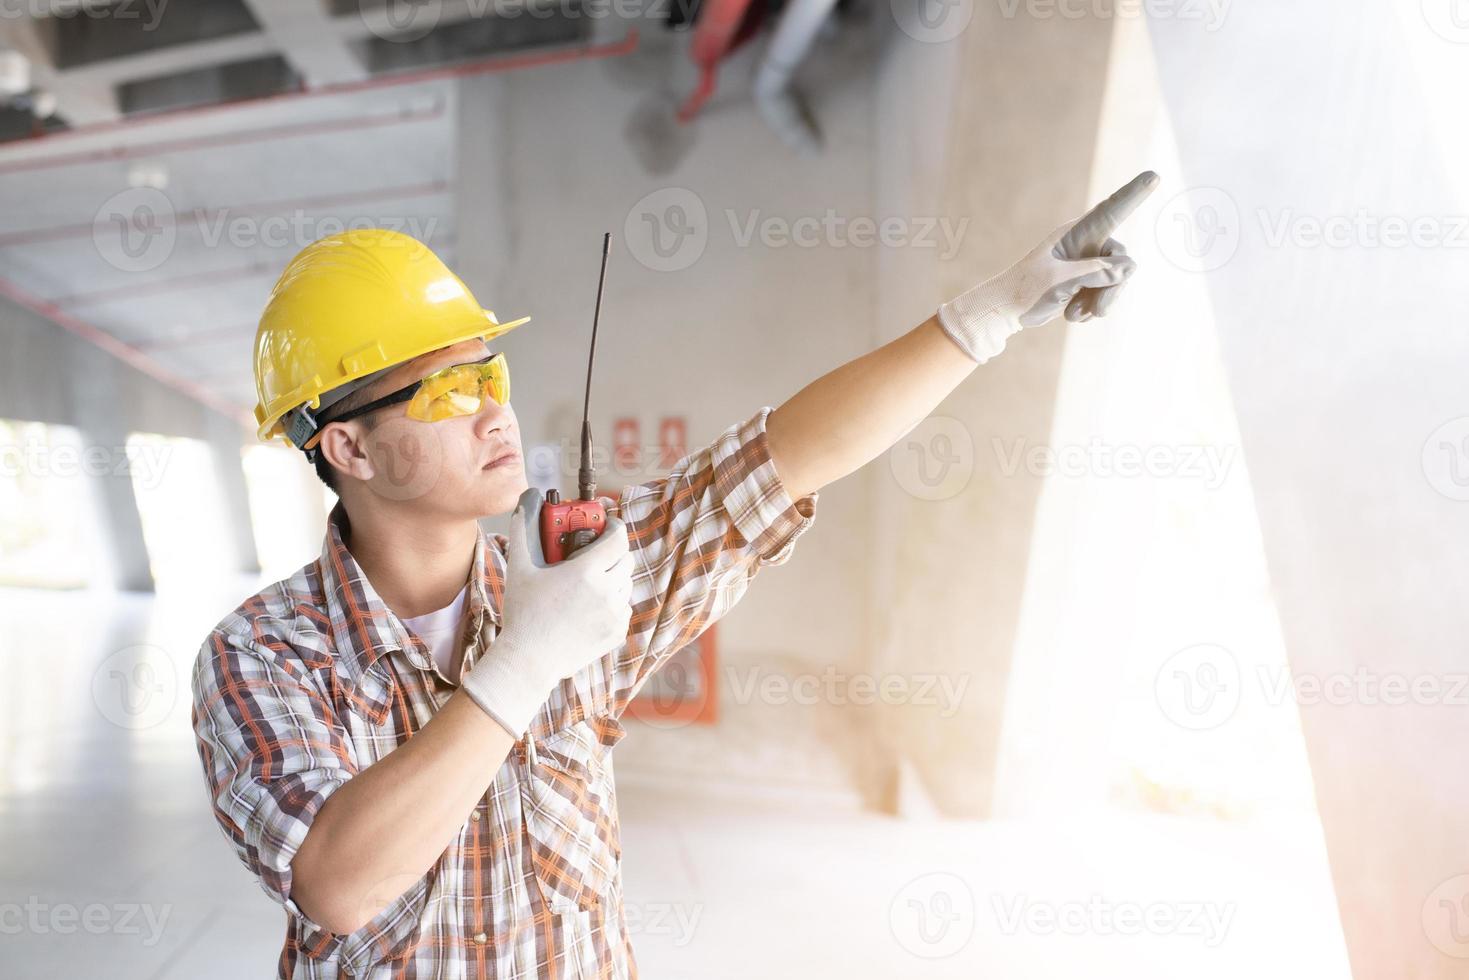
(314, 44)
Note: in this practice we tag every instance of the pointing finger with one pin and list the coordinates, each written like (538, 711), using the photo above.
(1096, 225)
(1126, 199)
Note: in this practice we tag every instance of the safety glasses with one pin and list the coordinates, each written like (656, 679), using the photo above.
(445, 394)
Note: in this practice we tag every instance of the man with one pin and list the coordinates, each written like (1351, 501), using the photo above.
(407, 741)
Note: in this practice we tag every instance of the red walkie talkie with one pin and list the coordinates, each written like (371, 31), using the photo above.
(568, 527)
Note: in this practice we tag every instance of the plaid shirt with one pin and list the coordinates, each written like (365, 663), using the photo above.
(314, 679)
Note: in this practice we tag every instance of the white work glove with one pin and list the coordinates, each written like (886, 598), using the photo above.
(558, 618)
(1078, 268)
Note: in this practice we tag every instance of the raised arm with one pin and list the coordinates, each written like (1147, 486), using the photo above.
(849, 416)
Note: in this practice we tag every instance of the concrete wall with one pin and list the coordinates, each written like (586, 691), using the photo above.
(939, 131)
(962, 139)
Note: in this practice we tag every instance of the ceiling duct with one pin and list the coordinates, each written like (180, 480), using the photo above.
(562, 23)
(252, 79)
(19, 121)
(91, 32)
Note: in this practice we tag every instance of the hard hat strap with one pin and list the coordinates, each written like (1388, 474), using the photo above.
(301, 423)
(300, 426)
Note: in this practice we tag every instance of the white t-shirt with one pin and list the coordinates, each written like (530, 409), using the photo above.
(440, 630)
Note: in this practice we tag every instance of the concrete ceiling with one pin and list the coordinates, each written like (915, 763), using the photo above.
(82, 59)
(167, 233)
(183, 271)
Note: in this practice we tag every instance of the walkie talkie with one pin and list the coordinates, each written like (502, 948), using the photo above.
(567, 527)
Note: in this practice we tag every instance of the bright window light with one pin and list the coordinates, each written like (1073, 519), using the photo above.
(287, 514)
(181, 506)
(1150, 686)
(47, 534)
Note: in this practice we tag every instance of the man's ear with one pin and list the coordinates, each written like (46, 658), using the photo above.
(344, 444)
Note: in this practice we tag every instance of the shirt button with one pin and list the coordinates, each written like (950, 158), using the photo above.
(481, 938)
(474, 816)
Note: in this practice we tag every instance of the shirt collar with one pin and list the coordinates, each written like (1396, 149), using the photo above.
(363, 626)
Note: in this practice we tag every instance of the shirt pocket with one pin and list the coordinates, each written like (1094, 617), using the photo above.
(570, 809)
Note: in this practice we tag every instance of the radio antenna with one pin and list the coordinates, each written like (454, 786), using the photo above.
(586, 476)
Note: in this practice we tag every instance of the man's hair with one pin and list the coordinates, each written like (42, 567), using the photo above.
(325, 472)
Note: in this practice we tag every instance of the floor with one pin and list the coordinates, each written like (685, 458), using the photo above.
(112, 865)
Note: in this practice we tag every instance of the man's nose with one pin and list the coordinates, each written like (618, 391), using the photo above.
(492, 417)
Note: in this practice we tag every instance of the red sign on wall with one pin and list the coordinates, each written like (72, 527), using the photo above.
(673, 438)
(626, 444)
(684, 691)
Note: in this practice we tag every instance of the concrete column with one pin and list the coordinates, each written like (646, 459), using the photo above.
(1347, 361)
(226, 440)
(316, 46)
(957, 541)
(94, 410)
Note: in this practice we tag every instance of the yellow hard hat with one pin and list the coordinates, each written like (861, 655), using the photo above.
(352, 305)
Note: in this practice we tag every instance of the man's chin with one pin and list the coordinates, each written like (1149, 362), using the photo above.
(487, 493)
(503, 491)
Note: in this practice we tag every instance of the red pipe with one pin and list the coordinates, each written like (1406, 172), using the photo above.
(33, 236)
(127, 354)
(719, 21)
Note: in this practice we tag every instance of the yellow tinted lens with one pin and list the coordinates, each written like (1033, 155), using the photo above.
(446, 394)
(460, 390)
(497, 379)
